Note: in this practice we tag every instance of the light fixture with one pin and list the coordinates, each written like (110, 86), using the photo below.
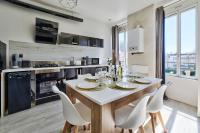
(69, 4)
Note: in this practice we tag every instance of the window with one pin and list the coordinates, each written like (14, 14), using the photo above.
(171, 44)
(180, 43)
(123, 48)
(188, 43)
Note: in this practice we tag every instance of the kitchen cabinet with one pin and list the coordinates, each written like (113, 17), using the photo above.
(71, 73)
(66, 38)
(99, 43)
(83, 41)
(72, 39)
(21, 86)
(18, 91)
(91, 70)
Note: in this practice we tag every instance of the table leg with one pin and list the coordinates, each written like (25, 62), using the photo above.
(70, 95)
(102, 120)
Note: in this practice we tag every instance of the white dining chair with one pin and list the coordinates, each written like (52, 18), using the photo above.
(132, 104)
(75, 114)
(155, 105)
(132, 118)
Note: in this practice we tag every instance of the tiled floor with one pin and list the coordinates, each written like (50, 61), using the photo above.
(47, 118)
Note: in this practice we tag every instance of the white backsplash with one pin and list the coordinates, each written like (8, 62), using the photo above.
(49, 52)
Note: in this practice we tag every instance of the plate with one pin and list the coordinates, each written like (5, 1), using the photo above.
(126, 85)
(87, 85)
(143, 81)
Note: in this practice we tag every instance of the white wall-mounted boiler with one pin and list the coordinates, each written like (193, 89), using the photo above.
(136, 40)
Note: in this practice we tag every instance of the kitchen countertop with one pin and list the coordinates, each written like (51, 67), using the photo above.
(47, 68)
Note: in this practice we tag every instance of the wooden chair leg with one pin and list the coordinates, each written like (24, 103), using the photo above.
(141, 129)
(67, 128)
(89, 125)
(75, 129)
(152, 122)
(130, 131)
(162, 122)
(155, 119)
(122, 131)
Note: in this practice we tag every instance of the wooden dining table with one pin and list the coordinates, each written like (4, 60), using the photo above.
(104, 102)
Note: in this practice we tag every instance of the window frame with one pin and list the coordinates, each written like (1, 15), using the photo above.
(178, 9)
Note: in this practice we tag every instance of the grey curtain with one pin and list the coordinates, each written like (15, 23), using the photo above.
(160, 43)
(115, 45)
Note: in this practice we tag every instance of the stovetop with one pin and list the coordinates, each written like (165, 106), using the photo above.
(45, 65)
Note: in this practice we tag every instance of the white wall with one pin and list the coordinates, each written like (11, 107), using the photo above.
(183, 90)
(145, 18)
(18, 24)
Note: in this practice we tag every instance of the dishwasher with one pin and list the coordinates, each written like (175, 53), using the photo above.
(18, 91)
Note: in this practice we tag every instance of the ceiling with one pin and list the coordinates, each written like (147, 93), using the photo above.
(108, 11)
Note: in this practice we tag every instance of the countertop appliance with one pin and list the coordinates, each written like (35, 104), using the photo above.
(95, 61)
(83, 61)
(26, 63)
(18, 91)
(17, 60)
(46, 31)
(88, 61)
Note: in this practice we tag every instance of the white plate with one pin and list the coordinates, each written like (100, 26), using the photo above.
(143, 81)
(126, 85)
(87, 85)
(92, 77)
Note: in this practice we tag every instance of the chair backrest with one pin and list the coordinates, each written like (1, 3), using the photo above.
(138, 116)
(156, 103)
(69, 111)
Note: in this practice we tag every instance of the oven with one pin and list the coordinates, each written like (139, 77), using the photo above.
(44, 83)
(95, 61)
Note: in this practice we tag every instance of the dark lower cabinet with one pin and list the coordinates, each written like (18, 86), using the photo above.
(18, 91)
(71, 73)
(90, 70)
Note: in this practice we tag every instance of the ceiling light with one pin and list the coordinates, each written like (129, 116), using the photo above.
(69, 4)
